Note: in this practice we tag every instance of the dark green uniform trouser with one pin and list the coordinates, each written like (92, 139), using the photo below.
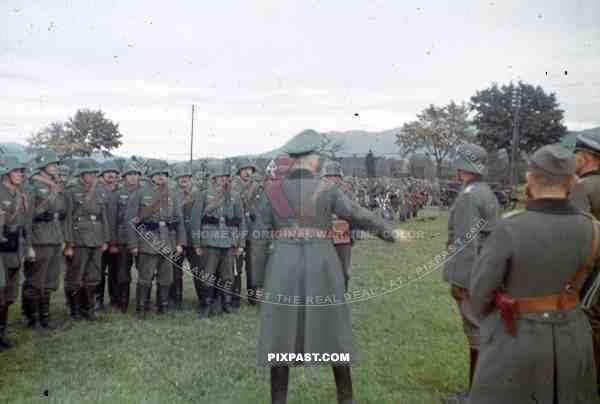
(8, 293)
(215, 263)
(148, 264)
(41, 275)
(84, 269)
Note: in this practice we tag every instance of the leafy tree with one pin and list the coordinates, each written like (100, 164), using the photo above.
(539, 123)
(436, 132)
(85, 133)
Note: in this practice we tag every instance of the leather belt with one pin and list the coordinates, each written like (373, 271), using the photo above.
(546, 303)
(301, 233)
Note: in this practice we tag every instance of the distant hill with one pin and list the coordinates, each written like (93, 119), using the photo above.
(357, 142)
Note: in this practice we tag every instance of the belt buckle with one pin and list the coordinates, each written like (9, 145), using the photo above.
(56, 216)
(93, 218)
(162, 223)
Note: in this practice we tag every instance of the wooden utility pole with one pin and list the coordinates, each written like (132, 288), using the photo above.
(192, 141)
(516, 104)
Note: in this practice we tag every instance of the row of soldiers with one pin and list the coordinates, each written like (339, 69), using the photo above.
(97, 223)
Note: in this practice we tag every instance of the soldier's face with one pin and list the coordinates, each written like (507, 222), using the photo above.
(88, 178)
(184, 181)
(221, 180)
(110, 177)
(132, 178)
(159, 179)
(246, 173)
(51, 169)
(16, 176)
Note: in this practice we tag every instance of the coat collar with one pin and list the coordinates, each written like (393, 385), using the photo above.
(590, 173)
(560, 206)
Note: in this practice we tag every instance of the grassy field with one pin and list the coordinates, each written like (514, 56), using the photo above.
(411, 346)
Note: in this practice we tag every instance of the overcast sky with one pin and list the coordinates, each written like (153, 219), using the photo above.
(260, 71)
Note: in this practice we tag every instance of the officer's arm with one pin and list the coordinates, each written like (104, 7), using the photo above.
(196, 220)
(133, 219)
(361, 217)
(492, 265)
(467, 223)
(579, 197)
(69, 206)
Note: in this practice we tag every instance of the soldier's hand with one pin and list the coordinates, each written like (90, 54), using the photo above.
(179, 249)
(199, 251)
(113, 249)
(134, 251)
(104, 247)
(68, 252)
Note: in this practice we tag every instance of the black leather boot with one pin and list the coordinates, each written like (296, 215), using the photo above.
(123, 292)
(142, 296)
(205, 306)
(343, 384)
(74, 303)
(45, 311)
(236, 295)
(88, 306)
(99, 293)
(4, 343)
(31, 306)
(279, 384)
(162, 298)
(227, 302)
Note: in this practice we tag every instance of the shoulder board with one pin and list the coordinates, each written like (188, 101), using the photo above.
(513, 213)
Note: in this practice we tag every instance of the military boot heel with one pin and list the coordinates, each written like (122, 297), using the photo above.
(4, 343)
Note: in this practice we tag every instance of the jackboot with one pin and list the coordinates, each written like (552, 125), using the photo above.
(474, 354)
(88, 303)
(162, 298)
(4, 343)
(142, 296)
(74, 303)
(123, 292)
(227, 305)
(205, 306)
(99, 293)
(45, 311)
(31, 306)
(236, 289)
(279, 384)
(343, 383)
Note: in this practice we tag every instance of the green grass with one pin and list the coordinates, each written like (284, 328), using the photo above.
(410, 341)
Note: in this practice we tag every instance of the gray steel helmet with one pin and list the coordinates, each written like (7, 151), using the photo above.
(86, 166)
(131, 166)
(11, 163)
(244, 162)
(108, 166)
(219, 170)
(181, 170)
(332, 168)
(44, 158)
(470, 158)
(157, 167)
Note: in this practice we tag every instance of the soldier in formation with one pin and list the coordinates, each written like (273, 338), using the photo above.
(107, 183)
(244, 189)
(46, 222)
(156, 236)
(13, 210)
(471, 217)
(86, 239)
(117, 217)
(218, 239)
(536, 340)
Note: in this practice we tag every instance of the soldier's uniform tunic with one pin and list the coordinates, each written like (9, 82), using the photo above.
(48, 211)
(550, 359)
(155, 228)
(87, 232)
(218, 228)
